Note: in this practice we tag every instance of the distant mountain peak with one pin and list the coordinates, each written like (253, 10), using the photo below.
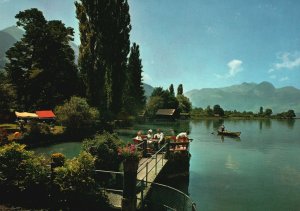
(14, 31)
(248, 97)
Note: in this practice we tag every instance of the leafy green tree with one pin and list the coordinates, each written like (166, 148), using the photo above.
(209, 111)
(154, 103)
(41, 65)
(161, 99)
(185, 105)
(268, 112)
(218, 110)
(180, 89)
(291, 114)
(171, 90)
(135, 98)
(77, 116)
(104, 30)
(8, 97)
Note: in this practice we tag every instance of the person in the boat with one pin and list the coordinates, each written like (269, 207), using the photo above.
(222, 129)
(183, 136)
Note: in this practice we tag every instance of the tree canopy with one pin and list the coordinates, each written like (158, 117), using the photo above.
(41, 65)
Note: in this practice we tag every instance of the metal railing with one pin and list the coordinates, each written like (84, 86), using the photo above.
(164, 197)
(145, 163)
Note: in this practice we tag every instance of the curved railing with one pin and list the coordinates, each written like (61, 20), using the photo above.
(164, 197)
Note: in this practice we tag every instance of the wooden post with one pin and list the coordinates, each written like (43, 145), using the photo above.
(129, 184)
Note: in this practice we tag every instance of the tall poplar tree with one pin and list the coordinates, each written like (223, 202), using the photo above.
(135, 93)
(180, 89)
(171, 90)
(104, 29)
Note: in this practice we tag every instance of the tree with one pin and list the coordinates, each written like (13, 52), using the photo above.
(135, 98)
(261, 110)
(77, 116)
(268, 112)
(171, 90)
(41, 65)
(180, 89)
(104, 31)
(218, 110)
(209, 111)
(291, 114)
(185, 105)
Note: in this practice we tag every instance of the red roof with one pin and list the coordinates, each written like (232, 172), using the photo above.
(45, 114)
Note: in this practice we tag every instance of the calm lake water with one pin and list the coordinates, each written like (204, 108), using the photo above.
(258, 171)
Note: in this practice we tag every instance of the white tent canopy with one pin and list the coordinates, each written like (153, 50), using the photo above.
(26, 115)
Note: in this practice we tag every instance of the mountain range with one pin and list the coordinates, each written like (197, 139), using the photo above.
(9, 36)
(248, 97)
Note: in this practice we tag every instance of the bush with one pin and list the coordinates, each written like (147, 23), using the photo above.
(21, 173)
(77, 116)
(75, 184)
(105, 149)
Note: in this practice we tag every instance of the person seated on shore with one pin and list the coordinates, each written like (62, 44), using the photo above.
(138, 139)
(183, 136)
(149, 135)
(160, 137)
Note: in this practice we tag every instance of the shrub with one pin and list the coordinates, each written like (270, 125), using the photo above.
(105, 149)
(75, 184)
(22, 172)
(77, 116)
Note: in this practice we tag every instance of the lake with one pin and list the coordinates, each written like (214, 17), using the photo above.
(258, 171)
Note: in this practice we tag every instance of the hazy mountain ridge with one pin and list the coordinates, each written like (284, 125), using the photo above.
(248, 97)
(9, 36)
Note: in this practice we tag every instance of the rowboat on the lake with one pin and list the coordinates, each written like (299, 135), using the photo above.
(229, 133)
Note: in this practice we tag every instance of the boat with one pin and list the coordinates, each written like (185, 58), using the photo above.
(229, 133)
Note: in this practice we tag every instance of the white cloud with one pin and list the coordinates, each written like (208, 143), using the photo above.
(146, 78)
(284, 79)
(234, 67)
(287, 61)
(271, 70)
(273, 76)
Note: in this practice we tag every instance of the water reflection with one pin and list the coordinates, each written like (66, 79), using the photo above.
(231, 163)
(237, 139)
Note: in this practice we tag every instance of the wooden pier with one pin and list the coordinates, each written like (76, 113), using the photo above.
(148, 170)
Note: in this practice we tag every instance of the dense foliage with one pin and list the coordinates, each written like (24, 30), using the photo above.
(104, 148)
(104, 32)
(134, 99)
(23, 175)
(219, 112)
(41, 65)
(77, 116)
(66, 185)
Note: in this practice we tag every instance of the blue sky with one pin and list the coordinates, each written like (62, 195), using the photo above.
(201, 43)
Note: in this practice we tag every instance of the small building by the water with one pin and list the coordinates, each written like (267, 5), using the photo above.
(167, 114)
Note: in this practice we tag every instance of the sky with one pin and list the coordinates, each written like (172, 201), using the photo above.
(201, 43)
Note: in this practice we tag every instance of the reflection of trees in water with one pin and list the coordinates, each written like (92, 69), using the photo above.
(288, 122)
(265, 123)
(217, 123)
(208, 123)
(291, 123)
